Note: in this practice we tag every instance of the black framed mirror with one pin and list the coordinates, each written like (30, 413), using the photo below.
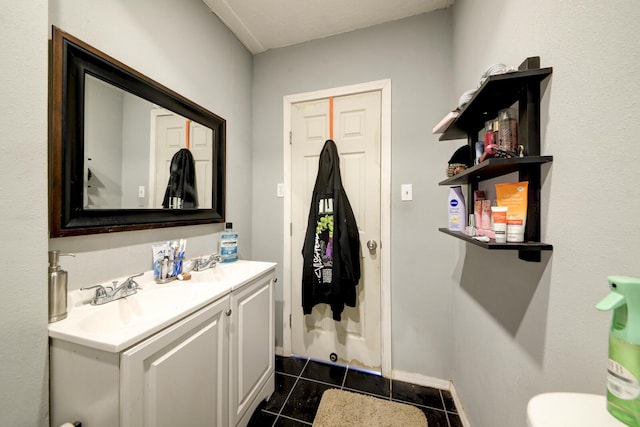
(127, 153)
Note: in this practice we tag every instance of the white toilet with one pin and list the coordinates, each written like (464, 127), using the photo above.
(570, 410)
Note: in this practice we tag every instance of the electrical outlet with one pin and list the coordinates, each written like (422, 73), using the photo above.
(406, 192)
(280, 190)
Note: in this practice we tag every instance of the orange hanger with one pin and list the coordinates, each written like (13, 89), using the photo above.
(331, 117)
(187, 130)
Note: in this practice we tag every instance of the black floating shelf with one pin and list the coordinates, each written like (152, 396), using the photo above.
(494, 167)
(497, 92)
(524, 246)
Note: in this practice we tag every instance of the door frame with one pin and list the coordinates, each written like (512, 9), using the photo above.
(384, 86)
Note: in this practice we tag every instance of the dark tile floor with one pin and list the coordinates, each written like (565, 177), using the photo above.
(301, 382)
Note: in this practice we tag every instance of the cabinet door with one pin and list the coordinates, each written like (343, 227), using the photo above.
(252, 357)
(180, 375)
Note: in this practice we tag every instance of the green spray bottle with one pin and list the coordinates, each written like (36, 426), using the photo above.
(623, 389)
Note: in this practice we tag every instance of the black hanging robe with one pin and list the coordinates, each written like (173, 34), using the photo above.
(182, 180)
(331, 250)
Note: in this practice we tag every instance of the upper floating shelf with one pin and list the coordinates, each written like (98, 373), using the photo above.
(497, 92)
(494, 167)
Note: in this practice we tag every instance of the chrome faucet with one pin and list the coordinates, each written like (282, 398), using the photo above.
(111, 293)
(200, 264)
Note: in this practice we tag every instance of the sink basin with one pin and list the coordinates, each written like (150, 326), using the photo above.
(144, 306)
(234, 274)
(116, 325)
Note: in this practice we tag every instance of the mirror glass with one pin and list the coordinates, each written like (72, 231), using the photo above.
(127, 153)
(134, 174)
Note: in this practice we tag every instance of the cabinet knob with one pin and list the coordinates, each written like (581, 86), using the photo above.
(228, 313)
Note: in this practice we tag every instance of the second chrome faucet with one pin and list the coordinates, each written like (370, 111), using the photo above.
(200, 264)
(105, 294)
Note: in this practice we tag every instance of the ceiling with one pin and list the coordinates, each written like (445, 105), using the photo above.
(267, 24)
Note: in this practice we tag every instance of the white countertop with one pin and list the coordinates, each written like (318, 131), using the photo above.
(119, 324)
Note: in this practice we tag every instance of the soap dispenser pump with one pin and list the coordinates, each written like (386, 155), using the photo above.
(57, 287)
(623, 388)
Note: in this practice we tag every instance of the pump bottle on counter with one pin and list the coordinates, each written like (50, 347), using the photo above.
(57, 287)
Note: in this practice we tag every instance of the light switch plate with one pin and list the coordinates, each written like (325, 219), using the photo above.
(280, 190)
(406, 192)
(141, 191)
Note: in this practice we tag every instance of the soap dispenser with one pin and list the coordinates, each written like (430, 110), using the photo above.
(623, 388)
(57, 287)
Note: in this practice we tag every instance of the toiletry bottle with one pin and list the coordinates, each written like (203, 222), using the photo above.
(457, 210)
(508, 130)
(496, 135)
(489, 137)
(478, 197)
(471, 228)
(623, 373)
(229, 244)
(57, 287)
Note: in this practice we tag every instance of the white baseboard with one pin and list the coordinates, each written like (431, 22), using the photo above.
(439, 383)
(279, 351)
(419, 379)
(459, 406)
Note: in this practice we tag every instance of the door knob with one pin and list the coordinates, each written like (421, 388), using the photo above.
(372, 245)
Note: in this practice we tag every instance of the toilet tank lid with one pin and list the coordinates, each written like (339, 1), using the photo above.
(570, 410)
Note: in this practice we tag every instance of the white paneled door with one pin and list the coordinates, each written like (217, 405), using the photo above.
(170, 136)
(201, 146)
(356, 339)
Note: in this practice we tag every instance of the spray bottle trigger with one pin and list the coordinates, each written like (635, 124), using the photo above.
(611, 301)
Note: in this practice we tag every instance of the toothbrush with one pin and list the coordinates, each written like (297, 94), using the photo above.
(176, 257)
(176, 264)
(181, 250)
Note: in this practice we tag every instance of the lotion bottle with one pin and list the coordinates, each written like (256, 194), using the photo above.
(57, 287)
(457, 210)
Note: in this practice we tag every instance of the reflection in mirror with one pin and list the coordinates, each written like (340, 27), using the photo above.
(127, 153)
(129, 144)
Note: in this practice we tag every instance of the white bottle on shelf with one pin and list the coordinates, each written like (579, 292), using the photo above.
(457, 210)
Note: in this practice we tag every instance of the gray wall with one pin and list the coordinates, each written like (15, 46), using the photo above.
(103, 131)
(23, 165)
(186, 48)
(180, 44)
(415, 54)
(136, 130)
(520, 328)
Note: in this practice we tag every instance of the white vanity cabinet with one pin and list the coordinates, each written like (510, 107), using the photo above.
(180, 375)
(252, 348)
(210, 367)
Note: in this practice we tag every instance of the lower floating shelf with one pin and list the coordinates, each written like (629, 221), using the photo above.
(528, 251)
